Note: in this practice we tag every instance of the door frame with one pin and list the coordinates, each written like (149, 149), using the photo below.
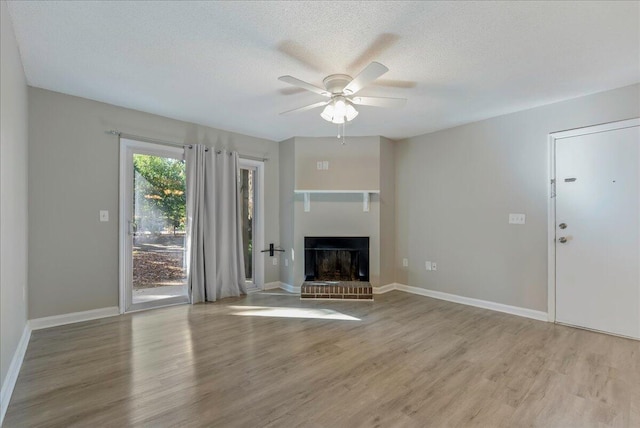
(258, 232)
(551, 224)
(127, 148)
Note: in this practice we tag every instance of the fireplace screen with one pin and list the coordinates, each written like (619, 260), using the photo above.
(336, 258)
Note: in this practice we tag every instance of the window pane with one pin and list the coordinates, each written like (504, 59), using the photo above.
(159, 213)
(247, 176)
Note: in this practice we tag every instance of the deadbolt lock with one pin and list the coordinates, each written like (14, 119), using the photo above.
(562, 239)
(562, 225)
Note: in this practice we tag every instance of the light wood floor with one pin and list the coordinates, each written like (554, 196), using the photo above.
(405, 360)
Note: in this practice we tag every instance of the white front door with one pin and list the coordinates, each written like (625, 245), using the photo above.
(597, 221)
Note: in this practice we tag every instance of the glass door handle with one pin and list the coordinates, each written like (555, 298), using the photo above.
(132, 227)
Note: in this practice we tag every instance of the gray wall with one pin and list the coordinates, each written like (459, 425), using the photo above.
(73, 173)
(455, 189)
(354, 165)
(13, 195)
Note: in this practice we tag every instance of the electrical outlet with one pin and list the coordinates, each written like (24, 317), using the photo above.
(427, 265)
(275, 261)
(434, 266)
(517, 218)
(405, 262)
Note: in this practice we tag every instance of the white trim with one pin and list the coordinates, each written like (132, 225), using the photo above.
(252, 289)
(13, 372)
(335, 191)
(259, 232)
(307, 202)
(551, 232)
(385, 288)
(122, 232)
(56, 320)
(290, 288)
(272, 285)
(128, 148)
(551, 216)
(160, 303)
(485, 304)
(594, 129)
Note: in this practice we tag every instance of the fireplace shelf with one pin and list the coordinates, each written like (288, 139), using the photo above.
(366, 196)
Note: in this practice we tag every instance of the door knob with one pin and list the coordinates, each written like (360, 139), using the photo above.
(562, 225)
(562, 239)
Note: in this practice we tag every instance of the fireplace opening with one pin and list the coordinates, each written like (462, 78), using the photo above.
(336, 258)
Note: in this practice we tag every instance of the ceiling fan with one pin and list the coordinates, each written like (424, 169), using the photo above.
(341, 90)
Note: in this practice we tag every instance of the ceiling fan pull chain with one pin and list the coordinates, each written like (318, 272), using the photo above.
(344, 131)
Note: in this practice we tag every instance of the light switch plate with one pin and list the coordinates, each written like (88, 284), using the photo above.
(319, 165)
(286, 262)
(104, 215)
(405, 262)
(517, 219)
(275, 261)
(427, 265)
(325, 165)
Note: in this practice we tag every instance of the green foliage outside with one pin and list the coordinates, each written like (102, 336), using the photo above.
(163, 188)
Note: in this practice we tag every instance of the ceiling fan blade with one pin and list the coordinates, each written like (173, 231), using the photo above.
(305, 108)
(304, 85)
(302, 55)
(381, 43)
(370, 73)
(379, 101)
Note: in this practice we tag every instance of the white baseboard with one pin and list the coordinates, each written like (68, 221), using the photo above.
(14, 369)
(385, 288)
(46, 322)
(272, 285)
(485, 304)
(290, 288)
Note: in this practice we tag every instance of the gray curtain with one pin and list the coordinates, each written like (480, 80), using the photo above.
(214, 225)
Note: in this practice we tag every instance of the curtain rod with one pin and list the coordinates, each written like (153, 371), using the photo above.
(172, 143)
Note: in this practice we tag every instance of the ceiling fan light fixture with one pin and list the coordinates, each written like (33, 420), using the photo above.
(339, 111)
(340, 106)
(338, 120)
(351, 112)
(327, 113)
(330, 114)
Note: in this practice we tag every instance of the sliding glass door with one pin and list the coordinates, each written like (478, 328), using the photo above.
(152, 223)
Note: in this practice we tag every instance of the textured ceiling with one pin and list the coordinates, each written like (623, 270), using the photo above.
(218, 63)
